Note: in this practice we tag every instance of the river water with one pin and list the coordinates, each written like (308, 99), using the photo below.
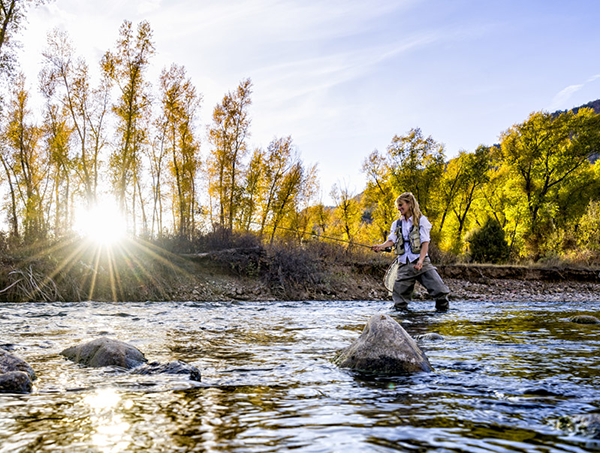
(503, 376)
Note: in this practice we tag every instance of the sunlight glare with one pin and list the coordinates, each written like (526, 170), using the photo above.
(111, 429)
(103, 224)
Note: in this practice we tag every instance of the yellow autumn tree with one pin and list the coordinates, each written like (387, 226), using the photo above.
(228, 133)
(126, 67)
(180, 103)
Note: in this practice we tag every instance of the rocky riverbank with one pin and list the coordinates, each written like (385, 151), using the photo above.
(522, 283)
(360, 282)
(523, 290)
(259, 273)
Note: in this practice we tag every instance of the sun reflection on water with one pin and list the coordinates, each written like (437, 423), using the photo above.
(110, 428)
(210, 419)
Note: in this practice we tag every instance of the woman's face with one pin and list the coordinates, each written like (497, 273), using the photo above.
(404, 208)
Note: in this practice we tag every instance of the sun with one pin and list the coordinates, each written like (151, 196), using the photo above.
(103, 224)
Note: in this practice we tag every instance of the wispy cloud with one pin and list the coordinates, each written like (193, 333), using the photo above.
(562, 98)
(323, 72)
(286, 20)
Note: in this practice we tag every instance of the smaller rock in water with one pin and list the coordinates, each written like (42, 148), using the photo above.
(15, 382)
(587, 425)
(105, 352)
(584, 319)
(16, 375)
(9, 362)
(175, 367)
(384, 347)
(431, 336)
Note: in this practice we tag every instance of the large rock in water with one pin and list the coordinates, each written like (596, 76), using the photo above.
(16, 376)
(105, 352)
(384, 347)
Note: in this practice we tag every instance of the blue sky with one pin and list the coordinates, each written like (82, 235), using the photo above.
(343, 77)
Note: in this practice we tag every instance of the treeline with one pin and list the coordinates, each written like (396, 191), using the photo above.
(140, 143)
(540, 187)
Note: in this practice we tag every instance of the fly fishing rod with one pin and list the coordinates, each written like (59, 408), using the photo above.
(320, 236)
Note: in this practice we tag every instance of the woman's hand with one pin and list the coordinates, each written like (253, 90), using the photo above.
(380, 247)
(422, 255)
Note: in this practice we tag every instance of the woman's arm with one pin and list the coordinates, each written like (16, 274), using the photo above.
(380, 247)
(422, 255)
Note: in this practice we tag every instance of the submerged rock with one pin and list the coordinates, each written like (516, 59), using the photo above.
(105, 352)
(16, 375)
(584, 319)
(587, 425)
(384, 347)
(431, 336)
(175, 367)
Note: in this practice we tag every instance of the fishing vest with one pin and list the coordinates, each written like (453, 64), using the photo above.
(414, 239)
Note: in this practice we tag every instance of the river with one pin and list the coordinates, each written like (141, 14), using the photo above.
(503, 376)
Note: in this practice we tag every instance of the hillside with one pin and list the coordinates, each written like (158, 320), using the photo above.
(595, 105)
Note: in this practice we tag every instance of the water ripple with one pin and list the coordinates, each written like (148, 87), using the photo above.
(503, 375)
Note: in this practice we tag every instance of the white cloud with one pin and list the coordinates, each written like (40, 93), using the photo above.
(561, 100)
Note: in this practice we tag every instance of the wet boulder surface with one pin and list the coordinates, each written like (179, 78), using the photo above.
(384, 347)
(175, 367)
(103, 352)
(584, 319)
(16, 375)
(431, 336)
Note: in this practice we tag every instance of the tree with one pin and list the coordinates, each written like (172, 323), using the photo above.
(297, 187)
(378, 196)
(279, 160)
(180, 102)
(25, 165)
(157, 158)
(228, 134)
(463, 178)
(499, 201)
(12, 16)
(283, 185)
(416, 165)
(253, 190)
(347, 211)
(321, 216)
(126, 67)
(548, 159)
(57, 136)
(65, 83)
(487, 245)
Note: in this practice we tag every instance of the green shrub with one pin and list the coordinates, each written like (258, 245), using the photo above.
(487, 245)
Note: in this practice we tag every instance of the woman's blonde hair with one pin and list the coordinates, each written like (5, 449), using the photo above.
(413, 204)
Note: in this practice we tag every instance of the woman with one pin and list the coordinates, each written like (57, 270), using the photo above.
(410, 239)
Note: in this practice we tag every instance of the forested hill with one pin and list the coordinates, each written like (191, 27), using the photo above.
(593, 105)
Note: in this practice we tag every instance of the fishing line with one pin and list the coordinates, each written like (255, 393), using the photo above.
(318, 236)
